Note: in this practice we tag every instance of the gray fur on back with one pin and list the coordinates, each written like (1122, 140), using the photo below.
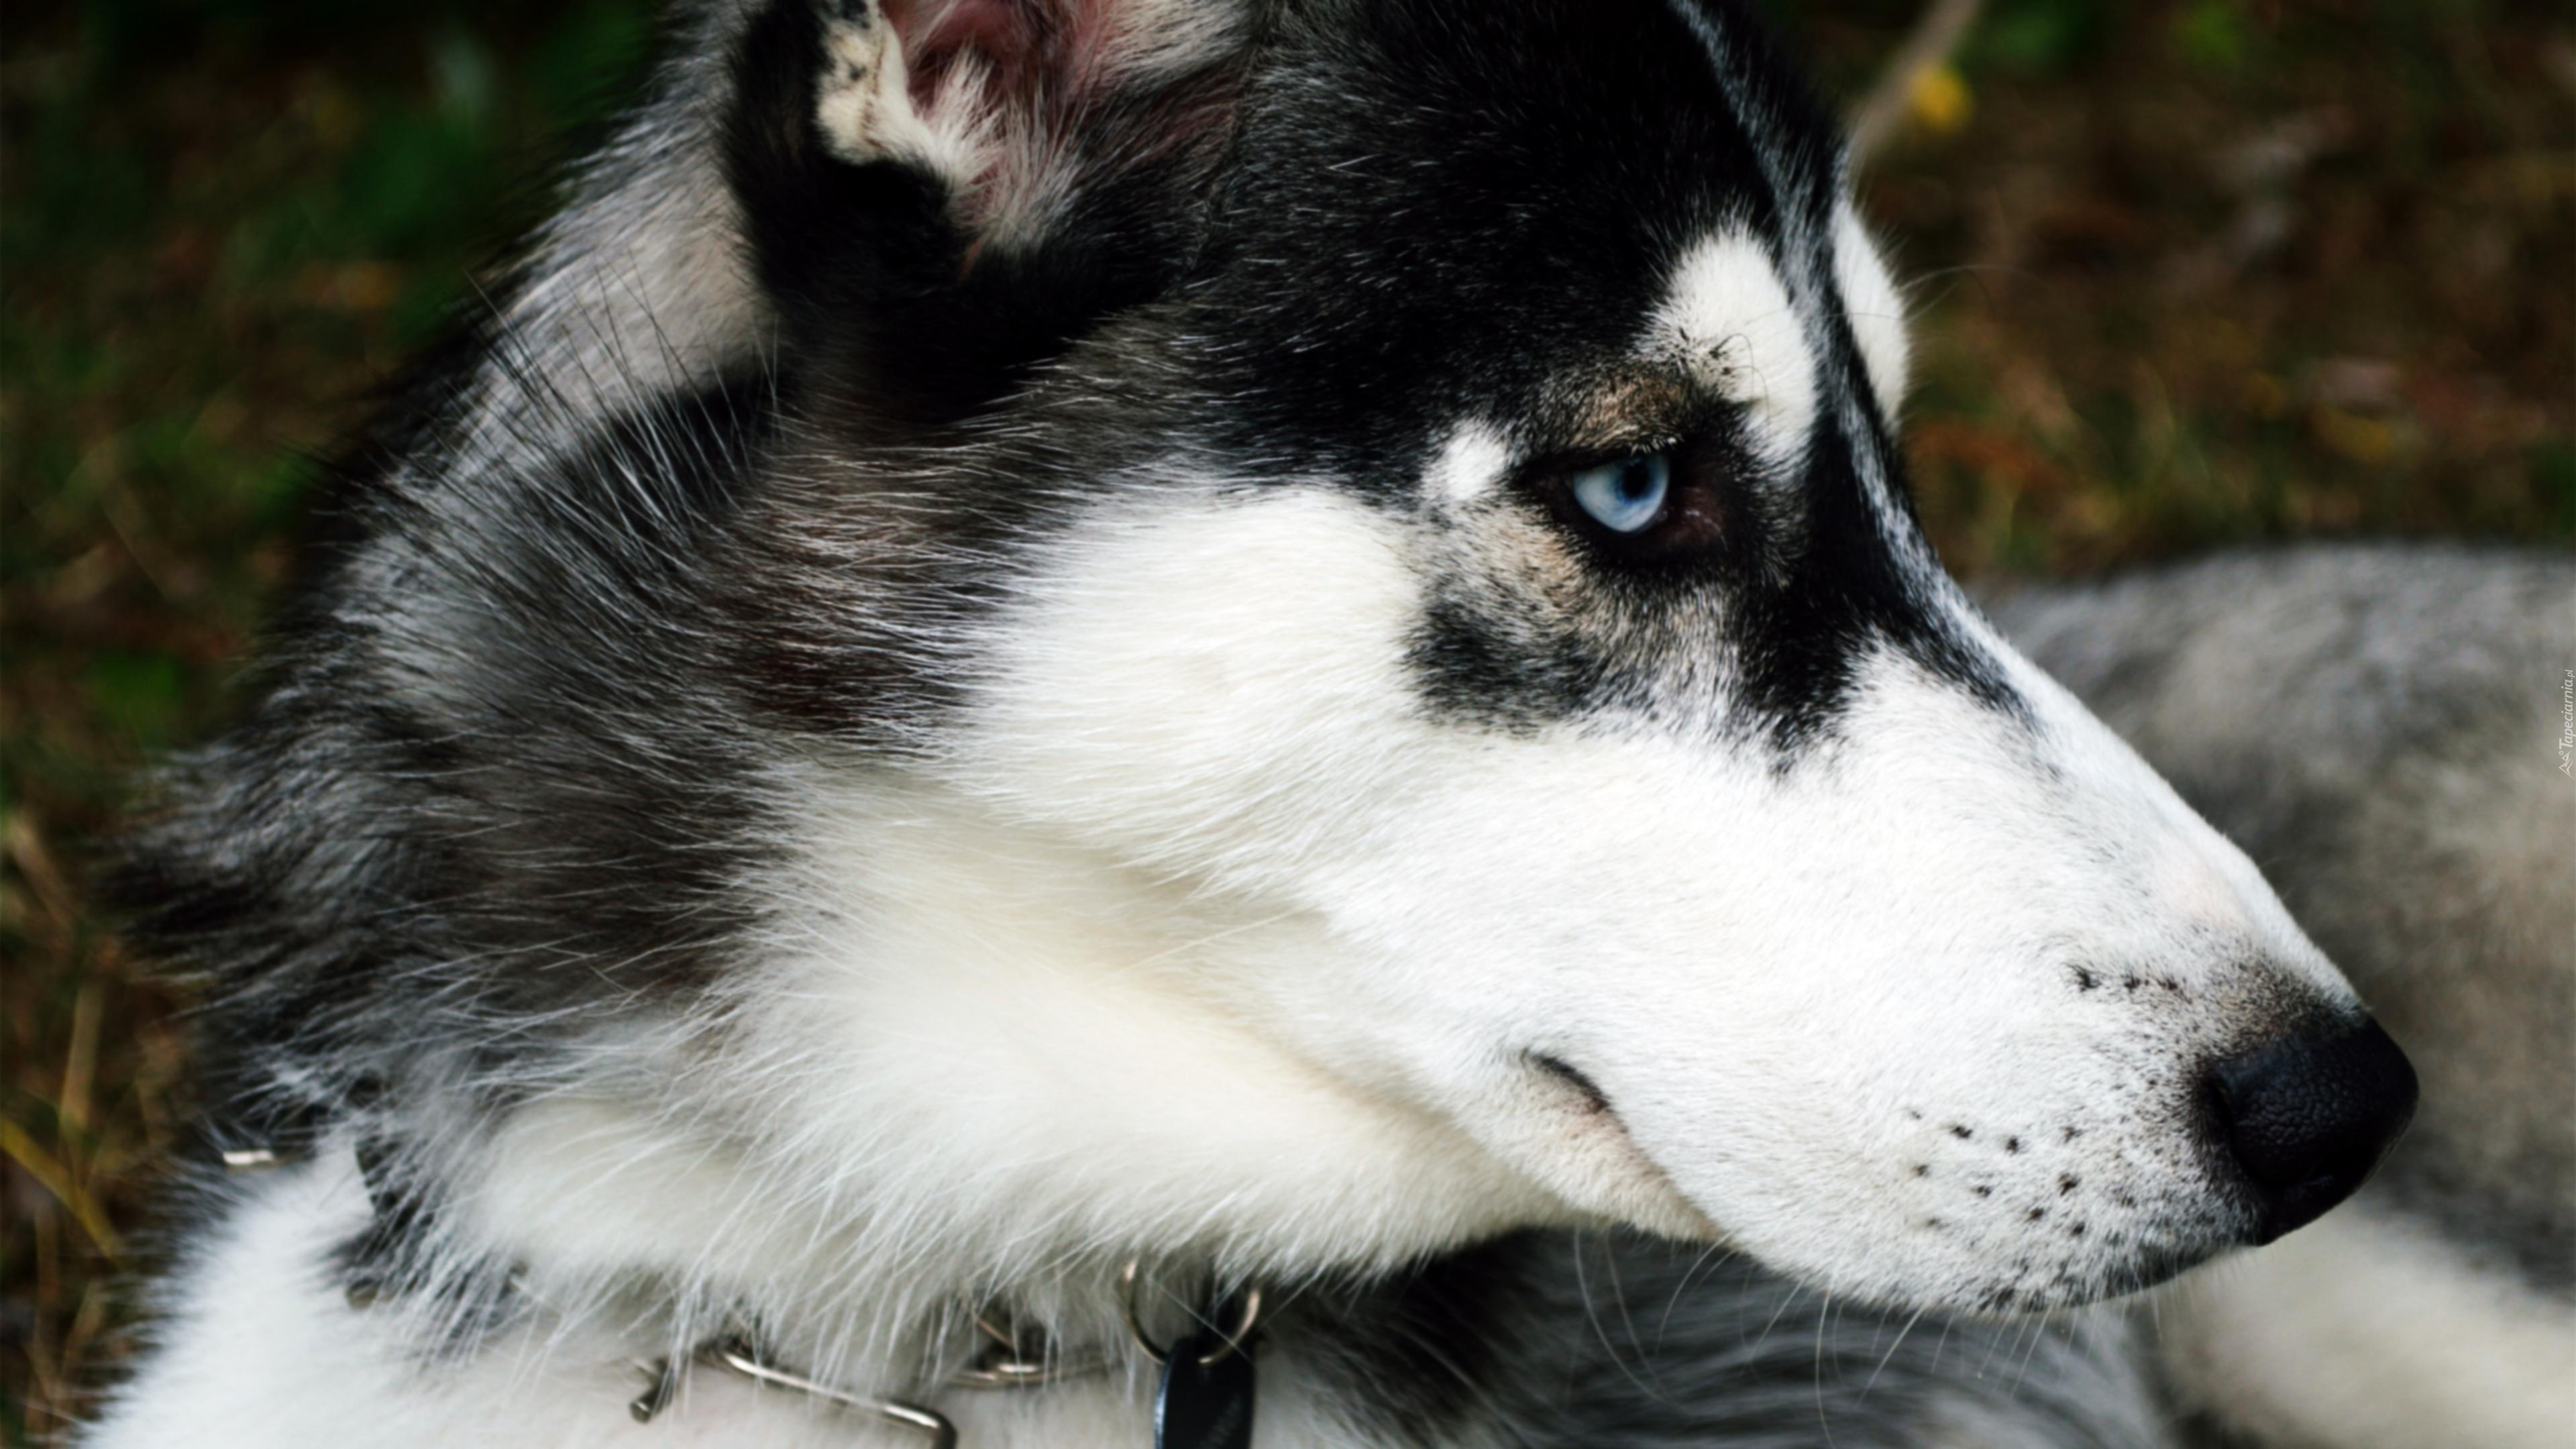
(1632, 1345)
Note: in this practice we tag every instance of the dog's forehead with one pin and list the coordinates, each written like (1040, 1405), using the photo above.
(1450, 207)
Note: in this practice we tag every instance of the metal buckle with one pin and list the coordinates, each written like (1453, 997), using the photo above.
(1004, 1364)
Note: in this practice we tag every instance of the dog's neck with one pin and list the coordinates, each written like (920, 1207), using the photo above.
(577, 1325)
(972, 1092)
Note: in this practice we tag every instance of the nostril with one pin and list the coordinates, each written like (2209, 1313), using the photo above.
(2308, 1118)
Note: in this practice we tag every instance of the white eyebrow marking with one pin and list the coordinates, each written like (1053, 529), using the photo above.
(1472, 462)
(1732, 323)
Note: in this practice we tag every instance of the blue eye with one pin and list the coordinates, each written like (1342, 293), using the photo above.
(1626, 496)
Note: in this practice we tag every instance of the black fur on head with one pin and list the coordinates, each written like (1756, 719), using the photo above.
(1307, 244)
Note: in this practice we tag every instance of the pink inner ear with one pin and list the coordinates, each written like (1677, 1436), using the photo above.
(1035, 81)
(1036, 48)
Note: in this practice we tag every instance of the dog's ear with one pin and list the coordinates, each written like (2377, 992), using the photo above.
(938, 193)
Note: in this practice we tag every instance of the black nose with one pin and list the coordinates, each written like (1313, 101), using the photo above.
(2307, 1118)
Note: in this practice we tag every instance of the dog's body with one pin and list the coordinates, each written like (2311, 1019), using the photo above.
(1258, 644)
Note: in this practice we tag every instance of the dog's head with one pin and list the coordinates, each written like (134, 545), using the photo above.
(1382, 682)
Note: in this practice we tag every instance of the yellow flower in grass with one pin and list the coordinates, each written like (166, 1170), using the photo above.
(1939, 101)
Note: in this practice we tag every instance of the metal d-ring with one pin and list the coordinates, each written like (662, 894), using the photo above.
(1234, 1341)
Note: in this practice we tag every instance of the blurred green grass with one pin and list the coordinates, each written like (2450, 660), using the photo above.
(2185, 273)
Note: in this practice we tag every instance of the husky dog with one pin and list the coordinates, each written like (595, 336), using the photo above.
(1078, 683)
